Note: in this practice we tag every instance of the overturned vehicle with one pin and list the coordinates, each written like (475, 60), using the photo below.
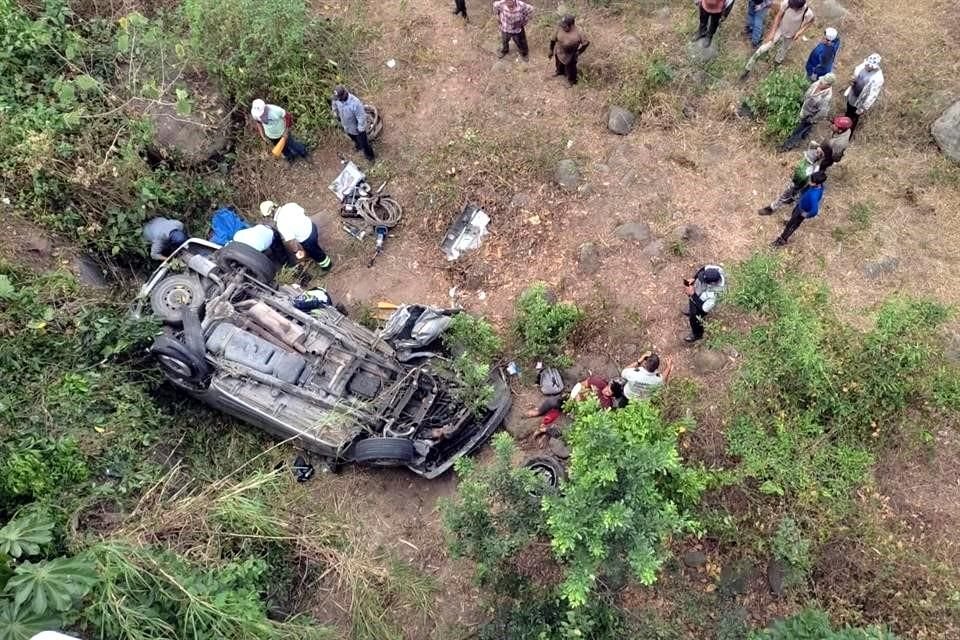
(315, 377)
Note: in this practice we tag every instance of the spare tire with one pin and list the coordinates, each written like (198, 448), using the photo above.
(173, 294)
(384, 452)
(374, 121)
(182, 366)
(547, 467)
(236, 255)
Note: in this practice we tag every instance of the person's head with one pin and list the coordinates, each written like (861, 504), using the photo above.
(830, 35)
(613, 390)
(258, 110)
(176, 238)
(268, 208)
(511, 3)
(826, 81)
(841, 124)
(341, 93)
(813, 153)
(797, 4)
(651, 363)
(567, 22)
(818, 178)
(873, 61)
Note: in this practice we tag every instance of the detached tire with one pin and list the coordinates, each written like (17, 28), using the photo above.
(173, 294)
(180, 365)
(384, 452)
(375, 121)
(236, 255)
(548, 468)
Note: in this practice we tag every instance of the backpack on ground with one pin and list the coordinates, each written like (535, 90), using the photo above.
(224, 225)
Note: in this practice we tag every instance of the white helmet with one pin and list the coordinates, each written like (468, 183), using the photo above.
(267, 207)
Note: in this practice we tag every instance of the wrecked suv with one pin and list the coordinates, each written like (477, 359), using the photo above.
(332, 387)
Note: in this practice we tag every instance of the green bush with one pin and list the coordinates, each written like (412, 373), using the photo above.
(542, 326)
(473, 389)
(643, 77)
(812, 624)
(815, 399)
(472, 337)
(276, 50)
(777, 100)
(792, 550)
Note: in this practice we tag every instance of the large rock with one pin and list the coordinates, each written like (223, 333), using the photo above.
(521, 428)
(700, 54)
(831, 11)
(707, 361)
(946, 131)
(655, 250)
(89, 272)
(881, 267)
(558, 448)
(776, 573)
(588, 260)
(567, 175)
(688, 233)
(735, 578)
(637, 231)
(620, 121)
(694, 558)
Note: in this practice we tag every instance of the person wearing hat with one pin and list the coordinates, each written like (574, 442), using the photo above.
(792, 20)
(349, 112)
(298, 232)
(864, 89)
(808, 165)
(834, 148)
(567, 45)
(703, 292)
(164, 236)
(807, 207)
(820, 61)
(815, 107)
(273, 125)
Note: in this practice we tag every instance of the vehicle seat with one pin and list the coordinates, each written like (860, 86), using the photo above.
(233, 343)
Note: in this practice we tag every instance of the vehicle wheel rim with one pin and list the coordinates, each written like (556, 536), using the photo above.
(178, 367)
(177, 297)
(545, 472)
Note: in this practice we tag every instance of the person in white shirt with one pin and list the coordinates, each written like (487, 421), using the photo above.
(264, 239)
(297, 231)
(644, 376)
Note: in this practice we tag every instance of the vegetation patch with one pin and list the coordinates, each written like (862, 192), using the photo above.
(776, 102)
(542, 326)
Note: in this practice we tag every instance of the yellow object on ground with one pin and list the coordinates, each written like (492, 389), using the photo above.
(278, 149)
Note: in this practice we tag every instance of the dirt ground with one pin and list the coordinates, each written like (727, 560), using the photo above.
(697, 164)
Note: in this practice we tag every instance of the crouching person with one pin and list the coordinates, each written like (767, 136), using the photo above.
(298, 232)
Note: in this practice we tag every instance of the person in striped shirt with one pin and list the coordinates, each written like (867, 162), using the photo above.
(513, 16)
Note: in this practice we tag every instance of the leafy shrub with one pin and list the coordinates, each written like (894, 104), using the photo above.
(36, 468)
(792, 549)
(776, 101)
(643, 77)
(815, 398)
(627, 493)
(542, 326)
(472, 337)
(276, 50)
(815, 625)
(473, 389)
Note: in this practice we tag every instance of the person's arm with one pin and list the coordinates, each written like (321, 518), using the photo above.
(361, 114)
(157, 245)
(870, 93)
(666, 369)
(584, 43)
(553, 44)
(295, 249)
(259, 127)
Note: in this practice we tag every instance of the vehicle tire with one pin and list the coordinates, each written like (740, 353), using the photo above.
(384, 452)
(374, 122)
(181, 365)
(175, 293)
(549, 468)
(236, 255)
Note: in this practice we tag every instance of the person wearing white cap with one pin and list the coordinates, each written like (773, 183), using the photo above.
(820, 61)
(273, 125)
(298, 232)
(864, 89)
(815, 107)
(794, 17)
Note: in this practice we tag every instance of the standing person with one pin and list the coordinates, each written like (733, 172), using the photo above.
(164, 236)
(349, 112)
(566, 46)
(703, 291)
(834, 148)
(865, 85)
(807, 207)
(821, 59)
(644, 376)
(513, 16)
(808, 165)
(460, 8)
(711, 12)
(792, 20)
(815, 107)
(756, 15)
(298, 232)
(273, 125)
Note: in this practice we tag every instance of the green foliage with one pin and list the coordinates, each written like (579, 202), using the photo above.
(627, 493)
(51, 585)
(22, 623)
(473, 337)
(776, 101)
(816, 398)
(542, 326)
(277, 50)
(542, 616)
(643, 77)
(792, 549)
(25, 534)
(473, 384)
(812, 624)
(37, 468)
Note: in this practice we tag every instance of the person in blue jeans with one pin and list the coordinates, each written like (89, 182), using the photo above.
(807, 207)
(820, 61)
(756, 14)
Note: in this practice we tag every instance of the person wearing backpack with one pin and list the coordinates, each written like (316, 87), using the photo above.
(273, 124)
(809, 165)
(703, 292)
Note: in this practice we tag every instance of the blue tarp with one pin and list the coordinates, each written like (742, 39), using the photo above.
(224, 224)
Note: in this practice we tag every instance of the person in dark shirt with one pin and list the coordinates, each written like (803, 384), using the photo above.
(807, 207)
(820, 61)
(566, 46)
(460, 7)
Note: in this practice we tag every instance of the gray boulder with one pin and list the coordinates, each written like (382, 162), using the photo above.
(688, 233)
(946, 131)
(588, 260)
(707, 361)
(567, 175)
(700, 54)
(620, 121)
(694, 558)
(558, 448)
(637, 231)
(89, 273)
(521, 428)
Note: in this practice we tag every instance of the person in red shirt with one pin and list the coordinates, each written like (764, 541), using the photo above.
(711, 12)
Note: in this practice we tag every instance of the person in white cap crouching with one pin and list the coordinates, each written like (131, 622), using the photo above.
(864, 89)
(298, 232)
(273, 125)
